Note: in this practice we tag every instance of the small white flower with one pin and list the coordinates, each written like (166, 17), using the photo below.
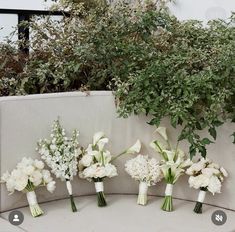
(38, 164)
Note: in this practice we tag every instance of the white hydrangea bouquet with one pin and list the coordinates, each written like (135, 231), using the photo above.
(61, 155)
(145, 170)
(26, 177)
(96, 164)
(173, 165)
(206, 176)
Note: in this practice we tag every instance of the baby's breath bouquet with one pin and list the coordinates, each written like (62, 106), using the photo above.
(173, 165)
(145, 170)
(206, 176)
(61, 155)
(96, 164)
(28, 175)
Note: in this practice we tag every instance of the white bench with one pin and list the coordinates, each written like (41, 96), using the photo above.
(24, 120)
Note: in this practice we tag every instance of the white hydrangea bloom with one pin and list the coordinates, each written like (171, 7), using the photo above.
(145, 169)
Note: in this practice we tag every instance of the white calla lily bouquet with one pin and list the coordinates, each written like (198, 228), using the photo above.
(28, 175)
(147, 171)
(61, 154)
(173, 165)
(96, 164)
(206, 176)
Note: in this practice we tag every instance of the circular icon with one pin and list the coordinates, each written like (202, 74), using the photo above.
(16, 217)
(219, 217)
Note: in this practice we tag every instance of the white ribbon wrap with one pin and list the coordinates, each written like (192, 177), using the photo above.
(201, 196)
(143, 188)
(32, 198)
(169, 190)
(69, 187)
(99, 187)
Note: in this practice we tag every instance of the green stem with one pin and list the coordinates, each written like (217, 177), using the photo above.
(101, 199)
(73, 206)
(167, 204)
(117, 156)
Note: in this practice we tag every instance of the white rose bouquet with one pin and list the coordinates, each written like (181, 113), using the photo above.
(173, 165)
(96, 164)
(28, 175)
(61, 155)
(206, 176)
(145, 170)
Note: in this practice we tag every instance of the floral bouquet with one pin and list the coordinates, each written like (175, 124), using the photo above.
(95, 164)
(61, 155)
(206, 176)
(145, 170)
(28, 175)
(173, 165)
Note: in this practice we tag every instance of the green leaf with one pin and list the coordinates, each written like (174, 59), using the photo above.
(206, 141)
(213, 132)
(192, 151)
(202, 150)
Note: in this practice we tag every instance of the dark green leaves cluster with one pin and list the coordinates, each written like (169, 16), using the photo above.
(190, 79)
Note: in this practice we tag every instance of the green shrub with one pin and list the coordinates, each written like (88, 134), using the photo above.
(191, 80)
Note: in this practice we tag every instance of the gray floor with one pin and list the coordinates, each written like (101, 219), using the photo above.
(121, 215)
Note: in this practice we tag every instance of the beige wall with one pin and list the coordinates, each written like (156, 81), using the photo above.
(24, 120)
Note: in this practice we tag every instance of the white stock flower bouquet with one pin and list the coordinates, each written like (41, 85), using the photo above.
(145, 170)
(206, 176)
(96, 164)
(173, 165)
(61, 155)
(26, 177)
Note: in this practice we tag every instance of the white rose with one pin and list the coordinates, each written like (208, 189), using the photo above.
(210, 171)
(36, 178)
(86, 160)
(51, 186)
(110, 170)
(214, 185)
(29, 170)
(100, 172)
(89, 172)
(21, 182)
(224, 172)
(5, 176)
(10, 184)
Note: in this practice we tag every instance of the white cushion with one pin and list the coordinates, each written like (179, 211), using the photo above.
(26, 119)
